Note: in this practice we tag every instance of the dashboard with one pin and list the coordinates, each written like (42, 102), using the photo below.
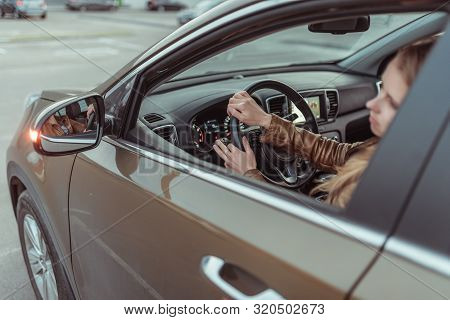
(194, 117)
(214, 123)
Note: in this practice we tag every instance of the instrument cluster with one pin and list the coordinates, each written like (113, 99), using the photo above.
(205, 131)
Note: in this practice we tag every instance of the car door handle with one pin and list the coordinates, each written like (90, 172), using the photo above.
(213, 268)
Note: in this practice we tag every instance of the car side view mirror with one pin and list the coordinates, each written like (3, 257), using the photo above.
(342, 26)
(70, 126)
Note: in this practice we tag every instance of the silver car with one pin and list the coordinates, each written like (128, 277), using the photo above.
(23, 8)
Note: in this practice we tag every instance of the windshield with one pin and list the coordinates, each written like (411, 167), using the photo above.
(298, 46)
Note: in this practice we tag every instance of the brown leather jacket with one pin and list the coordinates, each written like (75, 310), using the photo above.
(323, 153)
(56, 130)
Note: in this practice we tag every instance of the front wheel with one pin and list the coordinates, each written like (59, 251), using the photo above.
(43, 16)
(44, 269)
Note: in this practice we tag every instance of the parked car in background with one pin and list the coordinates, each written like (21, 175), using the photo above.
(200, 8)
(91, 5)
(165, 5)
(23, 8)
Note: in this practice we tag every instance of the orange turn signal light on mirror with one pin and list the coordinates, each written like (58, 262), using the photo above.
(34, 135)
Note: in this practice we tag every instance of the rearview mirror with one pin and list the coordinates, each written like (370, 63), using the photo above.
(342, 26)
(71, 126)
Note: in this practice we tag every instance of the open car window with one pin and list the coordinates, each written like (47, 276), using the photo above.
(193, 117)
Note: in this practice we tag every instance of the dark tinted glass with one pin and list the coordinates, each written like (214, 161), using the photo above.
(427, 219)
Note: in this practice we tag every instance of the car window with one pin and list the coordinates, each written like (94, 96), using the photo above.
(116, 101)
(167, 113)
(298, 46)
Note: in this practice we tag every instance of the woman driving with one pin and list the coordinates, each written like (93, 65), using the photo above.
(347, 161)
(62, 125)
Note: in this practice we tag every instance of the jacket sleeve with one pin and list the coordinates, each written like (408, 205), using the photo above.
(77, 127)
(255, 174)
(325, 154)
(51, 130)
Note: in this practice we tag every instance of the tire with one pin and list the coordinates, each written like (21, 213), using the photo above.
(2, 13)
(51, 272)
(44, 15)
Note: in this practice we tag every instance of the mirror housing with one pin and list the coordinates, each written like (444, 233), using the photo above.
(69, 126)
(342, 26)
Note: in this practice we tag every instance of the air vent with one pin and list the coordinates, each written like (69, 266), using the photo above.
(153, 117)
(275, 105)
(333, 97)
(168, 133)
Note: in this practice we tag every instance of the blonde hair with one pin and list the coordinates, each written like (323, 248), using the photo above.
(341, 186)
(412, 57)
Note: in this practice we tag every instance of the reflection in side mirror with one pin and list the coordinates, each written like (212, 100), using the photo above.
(342, 26)
(74, 126)
(75, 119)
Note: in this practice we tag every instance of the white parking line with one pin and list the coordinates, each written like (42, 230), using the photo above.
(87, 52)
(121, 44)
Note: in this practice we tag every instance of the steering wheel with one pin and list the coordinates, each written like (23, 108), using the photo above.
(90, 122)
(278, 166)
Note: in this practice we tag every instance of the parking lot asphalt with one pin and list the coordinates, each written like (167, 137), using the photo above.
(67, 50)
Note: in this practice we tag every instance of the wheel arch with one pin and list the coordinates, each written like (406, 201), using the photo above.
(16, 187)
(19, 182)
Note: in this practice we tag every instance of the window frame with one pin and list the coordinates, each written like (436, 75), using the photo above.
(155, 71)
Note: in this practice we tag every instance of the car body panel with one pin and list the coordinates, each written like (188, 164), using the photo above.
(58, 95)
(393, 277)
(176, 225)
(46, 178)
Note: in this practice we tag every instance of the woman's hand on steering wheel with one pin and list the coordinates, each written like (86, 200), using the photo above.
(90, 110)
(235, 159)
(245, 109)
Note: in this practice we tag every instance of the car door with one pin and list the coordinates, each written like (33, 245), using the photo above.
(144, 226)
